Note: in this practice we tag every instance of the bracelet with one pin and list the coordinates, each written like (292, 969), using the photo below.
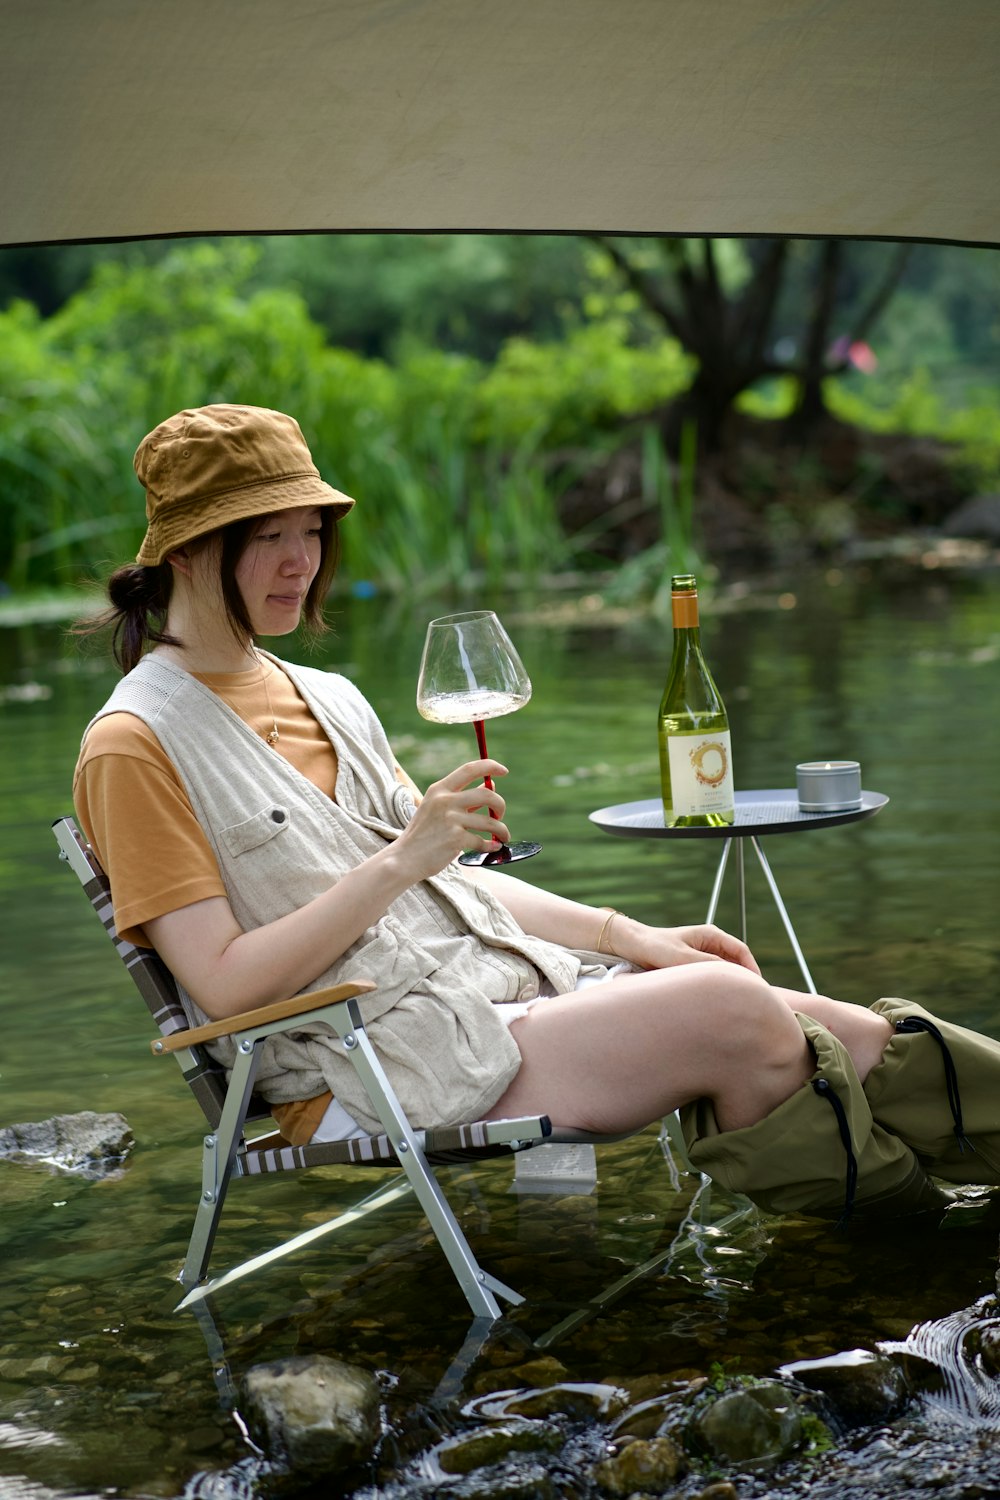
(612, 913)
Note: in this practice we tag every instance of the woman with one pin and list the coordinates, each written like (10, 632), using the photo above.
(257, 832)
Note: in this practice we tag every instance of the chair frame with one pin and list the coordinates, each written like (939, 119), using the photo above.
(230, 1106)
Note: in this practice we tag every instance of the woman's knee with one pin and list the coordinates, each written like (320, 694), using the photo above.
(736, 1010)
(744, 1048)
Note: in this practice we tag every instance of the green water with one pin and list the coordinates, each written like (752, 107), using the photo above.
(104, 1389)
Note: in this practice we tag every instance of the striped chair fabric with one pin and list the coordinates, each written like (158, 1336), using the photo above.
(207, 1079)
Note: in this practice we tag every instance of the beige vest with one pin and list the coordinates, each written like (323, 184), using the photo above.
(443, 953)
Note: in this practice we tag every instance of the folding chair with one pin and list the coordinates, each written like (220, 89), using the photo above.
(230, 1106)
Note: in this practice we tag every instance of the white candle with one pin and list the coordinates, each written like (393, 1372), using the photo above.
(829, 785)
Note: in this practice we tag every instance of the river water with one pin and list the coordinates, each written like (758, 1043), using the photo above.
(104, 1389)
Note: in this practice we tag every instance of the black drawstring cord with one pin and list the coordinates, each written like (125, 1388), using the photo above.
(917, 1023)
(826, 1091)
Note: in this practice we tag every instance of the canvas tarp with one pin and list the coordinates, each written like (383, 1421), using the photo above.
(124, 118)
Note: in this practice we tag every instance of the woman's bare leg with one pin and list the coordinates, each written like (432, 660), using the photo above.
(618, 1055)
(862, 1032)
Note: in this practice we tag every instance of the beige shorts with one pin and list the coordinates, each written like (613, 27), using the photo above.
(338, 1125)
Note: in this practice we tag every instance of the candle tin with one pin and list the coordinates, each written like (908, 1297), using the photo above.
(828, 785)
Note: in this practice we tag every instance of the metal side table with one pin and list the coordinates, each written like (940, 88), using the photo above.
(757, 813)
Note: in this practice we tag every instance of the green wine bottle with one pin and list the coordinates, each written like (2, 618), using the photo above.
(696, 765)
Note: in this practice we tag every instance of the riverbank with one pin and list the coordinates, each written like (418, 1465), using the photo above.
(636, 588)
(766, 500)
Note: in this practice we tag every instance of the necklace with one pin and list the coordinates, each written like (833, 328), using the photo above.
(272, 736)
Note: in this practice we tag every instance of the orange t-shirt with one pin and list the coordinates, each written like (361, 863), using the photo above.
(135, 812)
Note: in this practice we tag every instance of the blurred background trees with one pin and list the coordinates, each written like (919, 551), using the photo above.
(510, 404)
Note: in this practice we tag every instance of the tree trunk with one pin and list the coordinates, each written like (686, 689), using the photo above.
(730, 337)
(810, 406)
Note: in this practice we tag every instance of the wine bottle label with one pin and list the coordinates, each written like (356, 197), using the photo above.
(701, 773)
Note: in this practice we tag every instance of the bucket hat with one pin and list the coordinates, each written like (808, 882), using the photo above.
(211, 465)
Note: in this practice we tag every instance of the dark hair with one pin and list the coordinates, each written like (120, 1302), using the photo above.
(140, 596)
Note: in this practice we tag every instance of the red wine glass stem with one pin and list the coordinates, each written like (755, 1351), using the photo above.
(480, 729)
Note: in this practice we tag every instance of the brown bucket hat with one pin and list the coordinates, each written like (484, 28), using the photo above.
(214, 464)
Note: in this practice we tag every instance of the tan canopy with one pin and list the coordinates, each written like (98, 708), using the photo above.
(125, 118)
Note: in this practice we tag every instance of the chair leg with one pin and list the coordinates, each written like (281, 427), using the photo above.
(221, 1148)
(672, 1137)
(477, 1284)
(218, 1154)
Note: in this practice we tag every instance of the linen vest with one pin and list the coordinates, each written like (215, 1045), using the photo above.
(442, 955)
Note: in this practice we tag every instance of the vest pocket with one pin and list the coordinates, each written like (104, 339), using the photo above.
(239, 838)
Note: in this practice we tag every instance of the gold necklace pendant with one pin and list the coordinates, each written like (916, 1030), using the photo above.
(272, 736)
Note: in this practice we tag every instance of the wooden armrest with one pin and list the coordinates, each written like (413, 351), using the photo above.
(298, 1005)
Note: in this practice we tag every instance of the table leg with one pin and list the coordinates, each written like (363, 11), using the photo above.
(713, 903)
(786, 920)
(741, 890)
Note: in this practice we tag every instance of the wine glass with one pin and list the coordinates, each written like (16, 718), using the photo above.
(471, 672)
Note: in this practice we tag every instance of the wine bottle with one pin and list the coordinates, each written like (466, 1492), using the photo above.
(696, 766)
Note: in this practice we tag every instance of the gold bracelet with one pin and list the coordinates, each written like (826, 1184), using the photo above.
(612, 913)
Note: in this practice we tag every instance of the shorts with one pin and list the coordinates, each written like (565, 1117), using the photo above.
(338, 1125)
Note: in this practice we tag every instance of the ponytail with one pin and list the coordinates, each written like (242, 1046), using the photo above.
(139, 599)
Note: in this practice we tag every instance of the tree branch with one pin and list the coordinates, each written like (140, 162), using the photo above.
(756, 308)
(644, 289)
(675, 253)
(813, 365)
(818, 337)
(871, 314)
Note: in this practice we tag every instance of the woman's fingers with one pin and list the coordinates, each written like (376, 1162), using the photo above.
(496, 833)
(448, 820)
(663, 947)
(454, 789)
(470, 771)
(716, 943)
(471, 775)
(486, 819)
(488, 799)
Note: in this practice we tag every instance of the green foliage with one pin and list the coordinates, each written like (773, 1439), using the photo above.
(647, 576)
(722, 1373)
(916, 405)
(367, 291)
(56, 471)
(817, 1436)
(456, 450)
(563, 393)
(448, 457)
(469, 292)
(909, 402)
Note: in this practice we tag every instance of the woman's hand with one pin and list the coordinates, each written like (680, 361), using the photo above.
(449, 815)
(664, 947)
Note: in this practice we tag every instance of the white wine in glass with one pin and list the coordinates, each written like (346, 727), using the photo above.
(471, 672)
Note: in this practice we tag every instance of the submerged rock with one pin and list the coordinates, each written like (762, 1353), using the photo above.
(979, 516)
(89, 1144)
(525, 1482)
(754, 1425)
(578, 1401)
(312, 1415)
(864, 1388)
(478, 1450)
(642, 1466)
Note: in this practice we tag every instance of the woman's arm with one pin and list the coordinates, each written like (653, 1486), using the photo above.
(575, 925)
(228, 970)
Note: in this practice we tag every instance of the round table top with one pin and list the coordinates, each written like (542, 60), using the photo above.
(757, 813)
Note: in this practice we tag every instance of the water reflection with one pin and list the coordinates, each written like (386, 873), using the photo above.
(102, 1385)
